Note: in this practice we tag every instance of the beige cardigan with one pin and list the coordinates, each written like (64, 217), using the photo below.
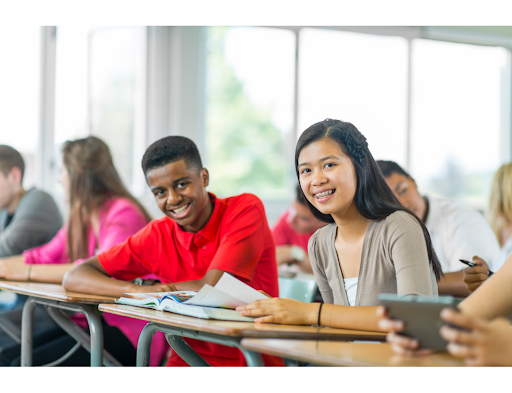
(393, 260)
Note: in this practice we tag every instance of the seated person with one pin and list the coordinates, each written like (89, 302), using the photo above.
(500, 219)
(291, 234)
(485, 315)
(102, 213)
(27, 218)
(457, 232)
(200, 238)
(372, 245)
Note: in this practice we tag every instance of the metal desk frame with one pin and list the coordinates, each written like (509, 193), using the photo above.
(175, 336)
(93, 343)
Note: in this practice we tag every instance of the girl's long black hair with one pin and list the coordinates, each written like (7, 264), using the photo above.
(374, 199)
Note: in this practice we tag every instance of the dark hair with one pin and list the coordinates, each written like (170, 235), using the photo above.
(300, 196)
(389, 167)
(93, 180)
(171, 149)
(373, 198)
(10, 158)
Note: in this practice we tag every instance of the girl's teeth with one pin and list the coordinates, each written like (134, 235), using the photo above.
(325, 193)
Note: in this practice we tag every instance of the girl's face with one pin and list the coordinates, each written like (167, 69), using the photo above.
(64, 180)
(327, 176)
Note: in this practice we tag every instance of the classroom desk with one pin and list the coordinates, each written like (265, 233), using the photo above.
(55, 299)
(221, 332)
(328, 353)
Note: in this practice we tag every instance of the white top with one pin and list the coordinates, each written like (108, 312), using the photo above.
(351, 289)
(458, 232)
(505, 252)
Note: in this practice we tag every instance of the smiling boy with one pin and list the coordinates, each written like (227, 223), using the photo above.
(200, 238)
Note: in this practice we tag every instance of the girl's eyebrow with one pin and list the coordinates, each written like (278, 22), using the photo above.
(320, 160)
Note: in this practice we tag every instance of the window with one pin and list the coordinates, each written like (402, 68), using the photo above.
(359, 78)
(456, 113)
(250, 138)
(100, 90)
(19, 95)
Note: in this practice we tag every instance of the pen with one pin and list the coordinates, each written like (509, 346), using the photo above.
(471, 264)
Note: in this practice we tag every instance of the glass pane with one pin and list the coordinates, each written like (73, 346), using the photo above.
(359, 78)
(100, 76)
(19, 95)
(250, 111)
(456, 110)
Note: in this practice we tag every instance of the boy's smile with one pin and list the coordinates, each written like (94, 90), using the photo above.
(179, 191)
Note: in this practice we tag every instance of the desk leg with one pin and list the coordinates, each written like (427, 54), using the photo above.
(96, 333)
(180, 346)
(144, 344)
(27, 332)
(252, 358)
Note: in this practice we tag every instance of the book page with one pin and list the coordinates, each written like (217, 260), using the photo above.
(238, 289)
(210, 296)
(161, 295)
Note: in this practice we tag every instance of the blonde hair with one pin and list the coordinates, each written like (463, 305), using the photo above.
(500, 202)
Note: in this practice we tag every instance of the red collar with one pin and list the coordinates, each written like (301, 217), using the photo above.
(206, 233)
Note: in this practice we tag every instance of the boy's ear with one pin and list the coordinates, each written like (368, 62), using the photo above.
(205, 177)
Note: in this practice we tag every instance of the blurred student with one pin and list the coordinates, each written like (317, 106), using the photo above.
(457, 232)
(291, 234)
(372, 245)
(28, 218)
(484, 315)
(102, 213)
(200, 238)
(500, 218)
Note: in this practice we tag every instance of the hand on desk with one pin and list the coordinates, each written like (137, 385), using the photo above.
(400, 344)
(485, 343)
(475, 276)
(283, 311)
(158, 287)
(14, 268)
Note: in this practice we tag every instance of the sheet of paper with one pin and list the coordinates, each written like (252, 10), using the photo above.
(238, 289)
(209, 296)
(160, 295)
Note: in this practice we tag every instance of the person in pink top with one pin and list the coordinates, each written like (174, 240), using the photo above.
(291, 234)
(102, 213)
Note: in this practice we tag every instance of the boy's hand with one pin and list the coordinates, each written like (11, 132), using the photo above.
(400, 344)
(485, 343)
(158, 287)
(475, 276)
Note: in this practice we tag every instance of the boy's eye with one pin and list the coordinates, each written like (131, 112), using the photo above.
(182, 185)
(402, 191)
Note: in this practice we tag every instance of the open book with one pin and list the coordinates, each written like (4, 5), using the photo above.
(216, 302)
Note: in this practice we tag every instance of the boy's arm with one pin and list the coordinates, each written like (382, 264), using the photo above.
(211, 277)
(91, 277)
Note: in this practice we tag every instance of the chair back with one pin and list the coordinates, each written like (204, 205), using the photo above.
(303, 290)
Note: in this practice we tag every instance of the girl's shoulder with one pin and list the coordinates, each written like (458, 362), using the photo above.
(323, 237)
(400, 218)
(118, 205)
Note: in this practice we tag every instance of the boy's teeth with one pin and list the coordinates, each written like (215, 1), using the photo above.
(323, 194)
(177, 211)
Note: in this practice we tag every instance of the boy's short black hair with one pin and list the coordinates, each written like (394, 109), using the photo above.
(9, 158)
(171, 149)
(389, 167)
(300, 196)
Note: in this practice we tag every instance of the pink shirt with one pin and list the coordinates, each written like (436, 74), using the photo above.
(119, 219)
(284, 234)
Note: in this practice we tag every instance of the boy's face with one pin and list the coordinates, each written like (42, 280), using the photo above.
(180, 192)
(7, 190)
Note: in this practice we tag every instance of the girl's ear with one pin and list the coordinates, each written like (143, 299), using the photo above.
(205, 177)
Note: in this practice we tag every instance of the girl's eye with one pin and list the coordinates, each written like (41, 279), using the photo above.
(306, 170)
(329, 165)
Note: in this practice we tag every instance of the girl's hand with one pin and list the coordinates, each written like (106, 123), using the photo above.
(400, 344)
(284, 311)
(485, 343)
(13, 270)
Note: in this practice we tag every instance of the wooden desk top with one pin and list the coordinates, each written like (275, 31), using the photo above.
(240, 329)
(53, 292)
(329, 353)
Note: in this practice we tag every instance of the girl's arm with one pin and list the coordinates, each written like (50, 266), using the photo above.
(15, 269)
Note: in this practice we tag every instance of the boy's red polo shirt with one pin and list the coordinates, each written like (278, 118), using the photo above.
(236, 239)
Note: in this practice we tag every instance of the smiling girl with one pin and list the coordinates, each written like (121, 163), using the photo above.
(373, 244)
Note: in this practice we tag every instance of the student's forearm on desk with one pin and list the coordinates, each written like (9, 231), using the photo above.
(453, 284)
(211, 277)
(90, 277)
(347, 317)
(49, 273)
